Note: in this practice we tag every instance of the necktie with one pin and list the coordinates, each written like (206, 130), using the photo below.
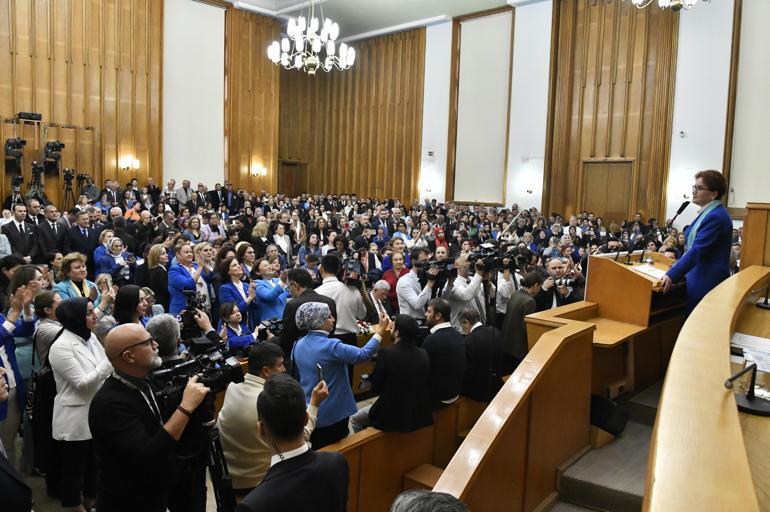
(54, 229)
(21, 228)
(85, 232)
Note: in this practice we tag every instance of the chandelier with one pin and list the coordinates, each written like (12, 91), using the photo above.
(303, 47)
(674, 5)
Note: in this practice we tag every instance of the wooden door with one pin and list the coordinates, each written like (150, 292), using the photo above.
(292, 178)
(607, 188)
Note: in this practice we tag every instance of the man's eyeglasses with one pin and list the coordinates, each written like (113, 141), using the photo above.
(147, 342)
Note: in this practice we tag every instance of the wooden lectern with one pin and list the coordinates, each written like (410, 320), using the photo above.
(756, 235)
(636, 324)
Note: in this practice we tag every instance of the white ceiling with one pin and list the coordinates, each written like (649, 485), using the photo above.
(360, 17)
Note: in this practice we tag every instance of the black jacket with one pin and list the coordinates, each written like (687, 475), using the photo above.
(316, 481)
(137, 463)
(544, 298)
(483, 354)
(15, 494)
(21, 244)
(515, 341)
(400, 377)
(446, 349)
(74, 241)
(49, 240)
(290, 333)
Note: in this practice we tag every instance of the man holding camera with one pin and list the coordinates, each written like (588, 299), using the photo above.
(412, 297)
(462, 291)
(558, 289)
(136, 449)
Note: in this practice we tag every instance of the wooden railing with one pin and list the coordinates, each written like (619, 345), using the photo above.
(698, 455)
(538, 421)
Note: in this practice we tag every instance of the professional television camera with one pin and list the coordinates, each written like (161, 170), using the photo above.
(16, 182)
(195, 301)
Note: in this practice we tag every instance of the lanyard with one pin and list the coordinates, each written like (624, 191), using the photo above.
(155, 410)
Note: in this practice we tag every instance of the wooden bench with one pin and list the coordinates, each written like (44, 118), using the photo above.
(382, 464)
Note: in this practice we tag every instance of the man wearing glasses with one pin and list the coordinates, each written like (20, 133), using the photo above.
(708, 241)
(134, 445)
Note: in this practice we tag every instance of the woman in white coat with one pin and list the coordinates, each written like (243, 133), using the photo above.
(80, 366)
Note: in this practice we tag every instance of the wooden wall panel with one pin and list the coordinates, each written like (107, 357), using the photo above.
(251, 107)
(359, 130)
(614, 75)
(92, 68)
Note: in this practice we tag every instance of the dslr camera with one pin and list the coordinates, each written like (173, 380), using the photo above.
(564, 281)
(274, 326)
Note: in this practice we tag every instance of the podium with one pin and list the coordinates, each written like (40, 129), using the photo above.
(636, 325)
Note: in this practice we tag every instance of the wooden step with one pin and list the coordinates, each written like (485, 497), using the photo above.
(424, 476)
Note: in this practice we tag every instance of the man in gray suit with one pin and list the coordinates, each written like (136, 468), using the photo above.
(521, 304)
(184, 194)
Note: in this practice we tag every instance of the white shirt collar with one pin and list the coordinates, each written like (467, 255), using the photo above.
(330, 279)
(275, 459)
(477, 324)
(442, 325)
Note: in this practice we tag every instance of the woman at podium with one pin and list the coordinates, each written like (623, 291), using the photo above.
(706, 259)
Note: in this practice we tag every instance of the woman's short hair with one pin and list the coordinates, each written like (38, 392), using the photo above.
(180, 244)
(153, 256)
(103, 234)
(126, 301)
(240, 250)
(714, 181)
(260, 230)
(42, 301)
(224, 267)
(69, 259)
(225, 310)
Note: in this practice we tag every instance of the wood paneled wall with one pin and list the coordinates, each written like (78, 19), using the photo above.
(92, 68)
(251, 106)
(612, 101)
(359, 130)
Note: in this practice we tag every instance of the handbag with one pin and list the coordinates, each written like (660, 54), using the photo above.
(41, 389)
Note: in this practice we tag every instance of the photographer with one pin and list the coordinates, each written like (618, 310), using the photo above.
(353, 302)
(134, 446)
(558, 289)
(246, 452)
(462, 291)
(412, 297)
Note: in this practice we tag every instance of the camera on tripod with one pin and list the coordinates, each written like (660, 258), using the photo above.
(215, 367)
(195, 301)
(16, 182)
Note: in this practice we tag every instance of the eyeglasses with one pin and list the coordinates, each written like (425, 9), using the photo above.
(147, 342)
(699, 187)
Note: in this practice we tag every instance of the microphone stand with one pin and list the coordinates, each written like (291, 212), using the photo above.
(749, 402)
(765, 304)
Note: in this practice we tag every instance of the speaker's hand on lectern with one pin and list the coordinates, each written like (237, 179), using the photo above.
(667, 283)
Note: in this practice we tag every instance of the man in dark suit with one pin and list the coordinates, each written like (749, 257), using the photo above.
(301, 289)
(379, 297)
(21, 235)
(50, 234)
(483, 354)
(514, 332)
(34, 215)
(153, 190)
(135, 444)
(299, 478)
(446, 349)
(16, 494)
(82, 238)
(554, 293)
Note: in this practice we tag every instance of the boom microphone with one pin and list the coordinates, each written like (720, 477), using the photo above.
(680, 210)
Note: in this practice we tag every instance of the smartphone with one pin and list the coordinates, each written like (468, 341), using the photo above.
(320, 372)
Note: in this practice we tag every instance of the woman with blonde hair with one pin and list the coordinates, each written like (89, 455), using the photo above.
(204, 253)
(157, 274)
(259, 239)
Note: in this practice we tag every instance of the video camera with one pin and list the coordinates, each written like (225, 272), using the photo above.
(190, 327)
(215, 366)
(446, 268)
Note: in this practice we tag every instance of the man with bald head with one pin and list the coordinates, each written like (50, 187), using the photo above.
(134, 445)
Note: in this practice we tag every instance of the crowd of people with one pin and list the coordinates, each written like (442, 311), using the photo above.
(92, 299)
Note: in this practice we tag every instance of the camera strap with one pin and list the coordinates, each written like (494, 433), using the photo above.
(155, 410)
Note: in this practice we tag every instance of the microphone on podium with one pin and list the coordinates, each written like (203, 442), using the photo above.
(682, 208)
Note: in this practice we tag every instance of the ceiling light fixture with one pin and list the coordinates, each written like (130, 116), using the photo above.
(307, 39)
(674, 5)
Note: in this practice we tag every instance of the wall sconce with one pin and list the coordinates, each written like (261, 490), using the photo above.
(129, 163)
(258, 170)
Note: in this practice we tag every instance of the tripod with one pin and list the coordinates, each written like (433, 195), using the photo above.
(35, 189)
(220, 476)
(68, 200)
